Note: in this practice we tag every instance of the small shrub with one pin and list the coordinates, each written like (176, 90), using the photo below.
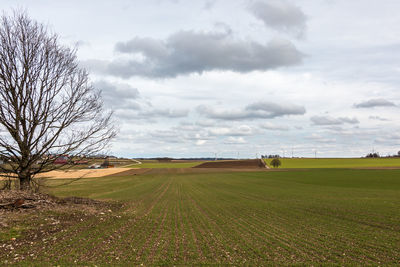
(276, 163)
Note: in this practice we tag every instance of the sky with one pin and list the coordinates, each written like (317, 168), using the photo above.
(238, 78)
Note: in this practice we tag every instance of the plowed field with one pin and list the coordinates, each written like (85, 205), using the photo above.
(234, 164)
(313, 217)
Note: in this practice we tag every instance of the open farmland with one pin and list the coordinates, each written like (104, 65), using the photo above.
(234, 164)
(154, 164)
(254, 218)
(338, 162)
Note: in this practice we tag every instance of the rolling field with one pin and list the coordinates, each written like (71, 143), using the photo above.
(338, 162)
(165, 165)
(243, 218)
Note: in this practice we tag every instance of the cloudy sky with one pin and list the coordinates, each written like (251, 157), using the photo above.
(239, 77)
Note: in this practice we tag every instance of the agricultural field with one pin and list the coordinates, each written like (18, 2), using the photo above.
(153, 164)
(338, 162)
(316, 216)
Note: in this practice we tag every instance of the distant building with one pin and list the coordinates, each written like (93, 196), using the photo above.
(95, 166)
(107, 164)
(61, 160)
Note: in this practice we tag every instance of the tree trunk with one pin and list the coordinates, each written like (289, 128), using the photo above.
(24, 182)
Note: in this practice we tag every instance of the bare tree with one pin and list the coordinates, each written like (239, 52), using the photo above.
(48, 106)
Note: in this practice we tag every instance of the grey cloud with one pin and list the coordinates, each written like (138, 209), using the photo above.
(273, 127)
(118, 95)
(165, 136)
(280, 15)
(223, 27)
(378, 118)
(348, 120)
(321, 139)
(276, 110)
(327, 120)
(335, 128)
(188, 52)
(123, 98)
(149, 47)
(206, 123)
(209, 4)
(258, 110)
(234, 140)
(243, 130)
(388, 139)
(128, 115)
(150, 114)
(179, 135)
(394, 136)
(95, 65)
(81, 43)
(187, 128)
(377, 102)
(165, 112)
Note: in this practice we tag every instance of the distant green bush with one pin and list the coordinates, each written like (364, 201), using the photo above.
(276, 163)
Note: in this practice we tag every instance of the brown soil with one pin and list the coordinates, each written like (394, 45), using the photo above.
(234, 164)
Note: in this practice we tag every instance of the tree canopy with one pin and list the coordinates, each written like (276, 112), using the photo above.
(276, 162)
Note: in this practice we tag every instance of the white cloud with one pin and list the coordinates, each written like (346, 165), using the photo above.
(235, 140)
(242, 130)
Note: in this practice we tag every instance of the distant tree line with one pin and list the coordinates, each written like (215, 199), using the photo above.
(270, 156)
(376, 155)
(373, 155)
(167, 158)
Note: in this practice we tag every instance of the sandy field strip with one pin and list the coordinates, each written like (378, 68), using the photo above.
(83, 173)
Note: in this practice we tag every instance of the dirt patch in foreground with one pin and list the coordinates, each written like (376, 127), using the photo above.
(29, 221)
(234, 164)
(25, 201)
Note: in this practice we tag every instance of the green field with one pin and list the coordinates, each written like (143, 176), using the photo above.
(292, 163)
(338, 162)
(242, 218)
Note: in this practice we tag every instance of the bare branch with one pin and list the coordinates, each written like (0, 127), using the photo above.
(47, 103)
